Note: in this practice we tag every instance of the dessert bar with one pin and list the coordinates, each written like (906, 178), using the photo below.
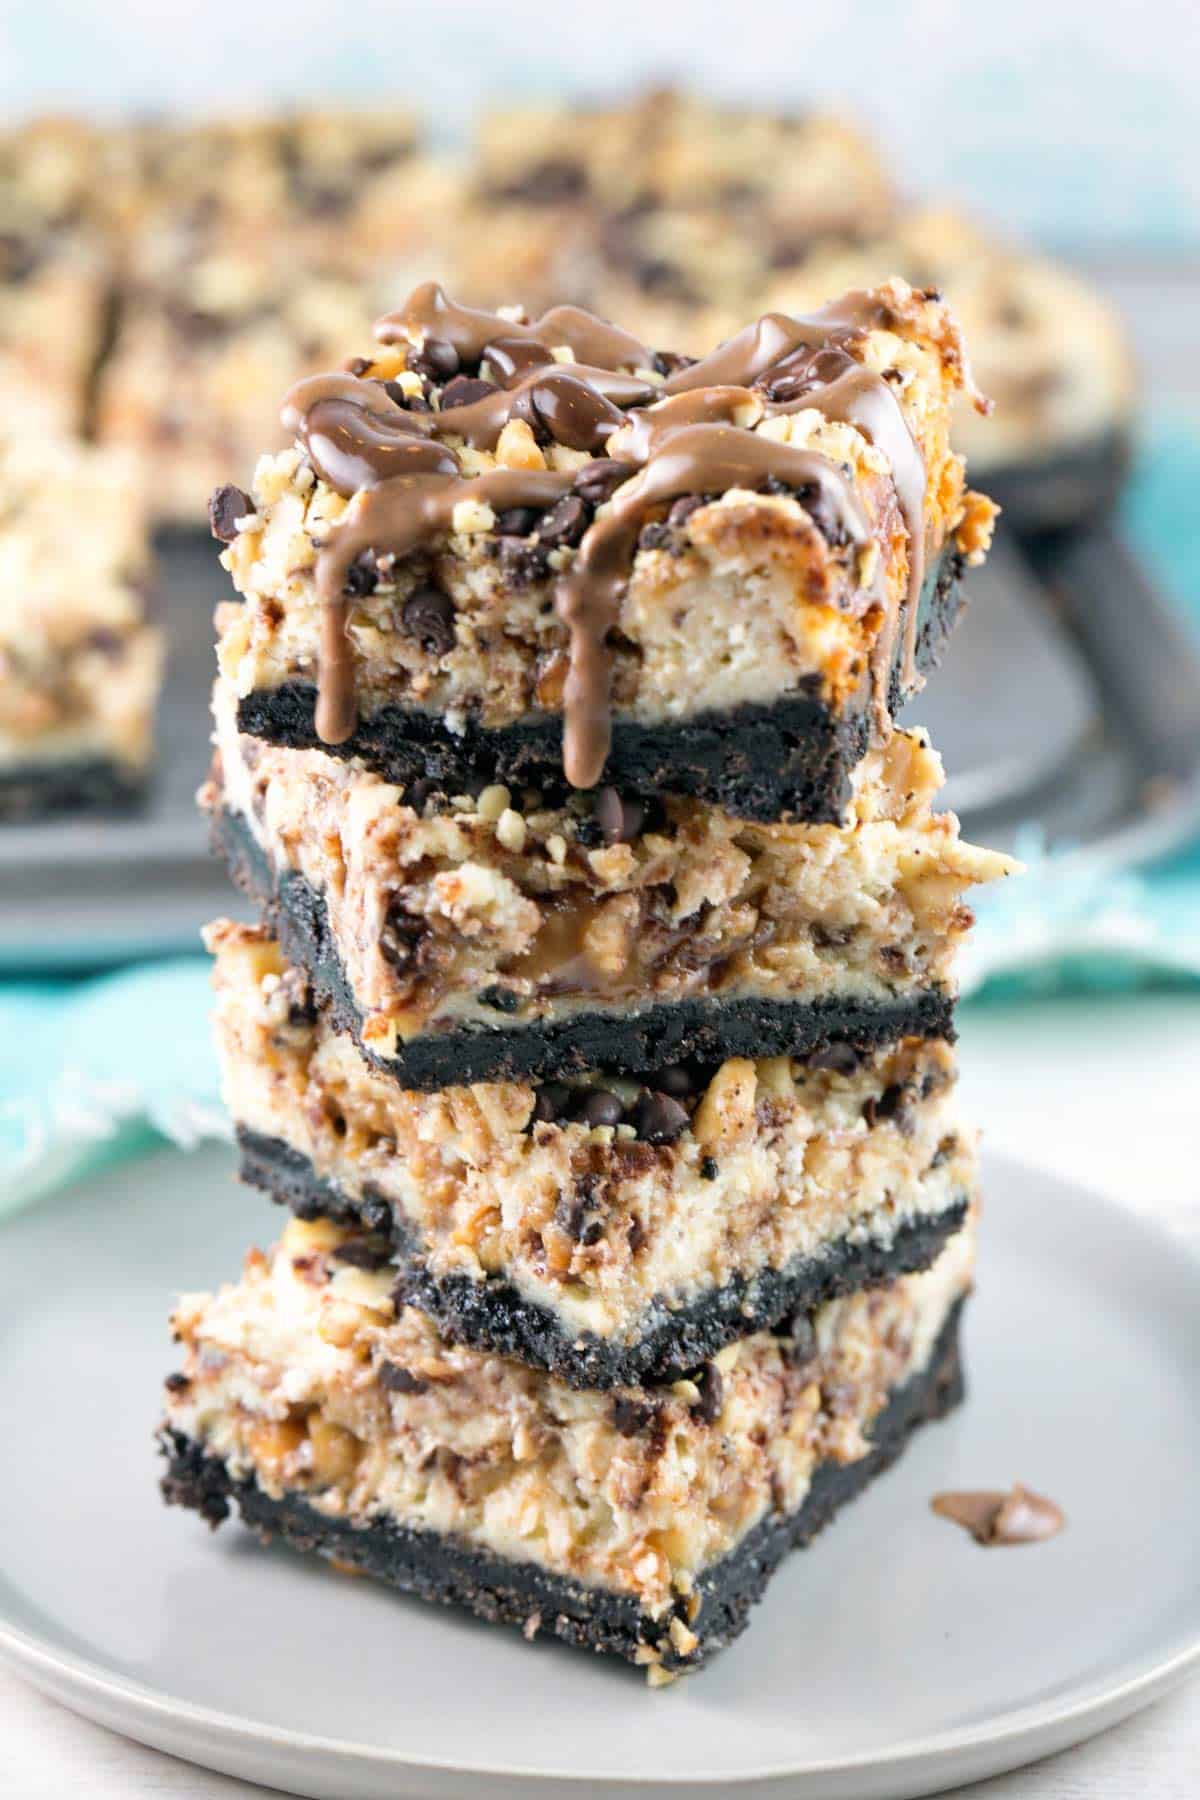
(502, 549)
(643, 1522)
(608, 1229)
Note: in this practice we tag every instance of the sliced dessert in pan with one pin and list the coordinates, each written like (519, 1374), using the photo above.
(643, 1522)
(609, 1229)
(55, 274)
(501, 549)
(80, 660)
(518, 933)
(253, 249)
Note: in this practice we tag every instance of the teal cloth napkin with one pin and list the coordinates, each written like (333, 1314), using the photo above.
(91, 1070)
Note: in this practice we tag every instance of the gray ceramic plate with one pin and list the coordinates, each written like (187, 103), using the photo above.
(893, 1658)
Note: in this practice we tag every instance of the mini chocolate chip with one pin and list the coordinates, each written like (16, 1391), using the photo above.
(675, 1080)
(683, 509)
(658, 1119)
(656, 536)
(436, 359)
(870, 1109)
(574, 1213)
(227, 506)
(821, 512)
(630, 1416)
(401, 396)
(565, 525)
(599, 480)
(524, 564)
(636, 1234)
(397, 1380)
(361, 577)
(377, 1215)
(428, 615)
(358, 365)
(418, 792)
(601, 1108)
(890, 1101)
(840, 1059)
(945, 1150)
(516, 521)
(500, 999)
(712, 1393)
(464, 390)
(709, 1169)
(670, 362)
(177, 1383)
(619, 820)
(362, 1255)
(553, 1100)
(400, 939)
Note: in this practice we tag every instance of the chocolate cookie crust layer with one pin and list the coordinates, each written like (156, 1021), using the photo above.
(454, 1573)
(493, 1315)
(75, 787)
(792, 759)
(625, 1044)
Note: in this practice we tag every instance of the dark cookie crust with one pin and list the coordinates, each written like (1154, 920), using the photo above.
(793, 759)
(493, 1315)
(1064, 492)
(74, 787)
(636, 1044)
(456, 1574)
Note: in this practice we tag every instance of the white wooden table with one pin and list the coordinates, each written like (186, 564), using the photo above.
(1122, 1122)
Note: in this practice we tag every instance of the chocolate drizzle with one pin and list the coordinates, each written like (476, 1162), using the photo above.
(688, 434)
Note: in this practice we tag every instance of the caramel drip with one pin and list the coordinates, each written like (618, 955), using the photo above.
(400, 515)
(430, 313)
(684, 459)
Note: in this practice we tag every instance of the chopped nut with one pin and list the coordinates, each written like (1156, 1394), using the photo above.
(493, 803)
(272, 1441)
(727, 1109)
(339, 1323)
(311, 1237)
(517, 448)
(335, 1451)
(684, 1640)
(510, 831)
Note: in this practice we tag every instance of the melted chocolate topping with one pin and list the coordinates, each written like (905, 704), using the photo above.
(995, 1519)
(682, 436)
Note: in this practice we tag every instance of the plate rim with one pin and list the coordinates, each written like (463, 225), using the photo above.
(1020, 1734)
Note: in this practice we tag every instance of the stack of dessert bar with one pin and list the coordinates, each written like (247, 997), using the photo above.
(597, 1031)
